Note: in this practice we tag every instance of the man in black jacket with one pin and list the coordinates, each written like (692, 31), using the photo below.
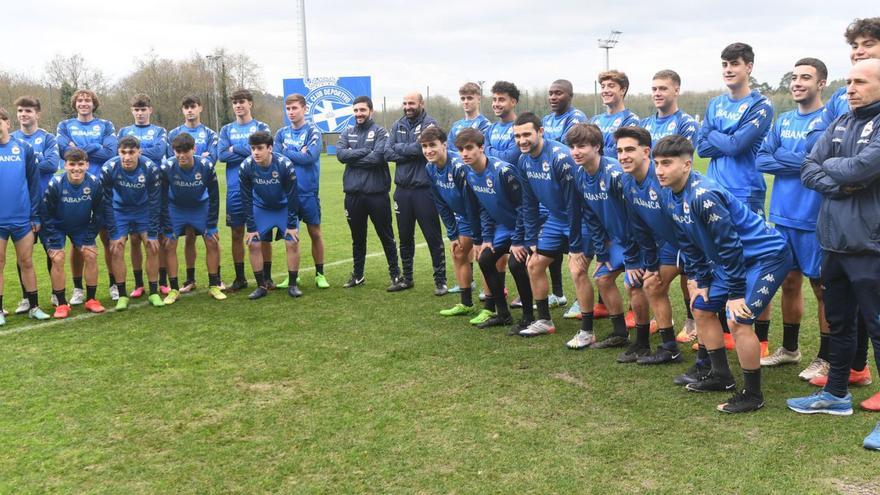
(844, 166)
(412, 197)
(366, 182)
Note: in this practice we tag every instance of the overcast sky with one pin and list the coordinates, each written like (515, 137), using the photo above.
(410, 45)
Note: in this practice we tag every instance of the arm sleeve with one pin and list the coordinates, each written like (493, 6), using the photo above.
(154, 192)
(157, 149)
(109, 219)
(688, 129)
(292, 198)
(512, 188)
(211, 144)
(213, 197)
(377, 155)
(445, 213)
(813, 176)
(246, 190)
(704, 147)
(50, 160)
(863, 168)
(766, 160)
(719, 225)
(389, 150)
(751, 129)
(62, 138)
(348, 155)
(109, 143)
(223, 146)
(164, 216)
(313, 150)
(33, 181)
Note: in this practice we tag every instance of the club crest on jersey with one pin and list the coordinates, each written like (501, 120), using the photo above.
(252, 129)
(602, 184)
(449, 176)
(142, 179)
(671, 126)
(617, 122)
(686, 208)
(274, 174)
(652, 194)
(742, 108)
(371, 135)
(198, 176)
(96, 127)
(545, 166)
(488, 182)
(869, 127)
(151, 132)
(16, 150)
(39, 140)
(202, 134)
(86, 190)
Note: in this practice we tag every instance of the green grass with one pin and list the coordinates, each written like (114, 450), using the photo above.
(354, 391)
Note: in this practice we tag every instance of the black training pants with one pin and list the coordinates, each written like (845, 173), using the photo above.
(417, 205)
(377, 208)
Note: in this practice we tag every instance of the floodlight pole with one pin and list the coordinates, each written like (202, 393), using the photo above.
(304, 56)
(607, 44)
(213, 59)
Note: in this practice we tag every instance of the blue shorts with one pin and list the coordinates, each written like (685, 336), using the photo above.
(502, 236)
(763, 279)
(553, 236)
(309, 209)
(670, 256)
(130, 224)
(267, 220)
(79, 239)
(615, 258)
(464, 227)
(181, 218)
(17, 232)
(805, 250)
(235, 216)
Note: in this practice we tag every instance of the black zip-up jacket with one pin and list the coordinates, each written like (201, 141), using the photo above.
(404, 149)
(844, 167)
(362, 149)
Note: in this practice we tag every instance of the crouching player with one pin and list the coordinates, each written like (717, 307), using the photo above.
(750, 260)
(132, 205)
(498, 190)
(190, 204)
(457, 207)
(72, 208)
(268, 196)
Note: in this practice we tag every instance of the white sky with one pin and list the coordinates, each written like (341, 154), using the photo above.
(408, 45)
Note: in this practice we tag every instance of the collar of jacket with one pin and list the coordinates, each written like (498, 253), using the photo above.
(867, 111)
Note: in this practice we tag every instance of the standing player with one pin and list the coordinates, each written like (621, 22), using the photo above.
(132, 206)
(794, 210)
(547, 170)
(734, 261)
(456, 205)
(190, 203)
(19, 219)
(154, 145)
(206, 146)
(412, 199)
(268, 196)
(72, 208)
(470, 95)
(233, 149)
(366, 182)
(498, 190)
(300, 142)
(667, 120)
(97, 137)
(613, 86)
(46, 155)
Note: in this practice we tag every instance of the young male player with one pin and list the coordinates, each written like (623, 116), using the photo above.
(469, 94)
(734, 262)
(72, 208)
(547, 170)
(19, 217)
(269, 199)
(132, 206)
(457, 207)
(498, 190)
(613, 86)
(667, 120)
(46, 155)
(794, 210)
(154, 145)
(412, 199)
(300, 142)
(598, 225)
(190, 203)
(366, 182)
(206, 146)
(97, 137)
(233, 149)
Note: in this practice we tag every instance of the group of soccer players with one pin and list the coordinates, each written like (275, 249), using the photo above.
(517, 193)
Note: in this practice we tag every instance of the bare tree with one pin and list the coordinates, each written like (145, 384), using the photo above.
(74, 71)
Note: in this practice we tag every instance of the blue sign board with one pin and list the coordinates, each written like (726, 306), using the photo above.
(329, 99)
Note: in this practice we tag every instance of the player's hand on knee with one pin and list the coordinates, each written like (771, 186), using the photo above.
(251, 238)
(291, 236)
(737, 308)
(636, 276)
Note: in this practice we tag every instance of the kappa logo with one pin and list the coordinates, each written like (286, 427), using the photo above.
(713, 218)
(488, 182)
(764, 290)
(869, 127)
(708, 204)
(755, 122)
(786, 122)
(762, 112)
(700, 191)
(545, 166)
(758, 303)
(769, 278)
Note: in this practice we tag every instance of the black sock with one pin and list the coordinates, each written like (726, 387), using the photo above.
(703, 356)
(643, 335)
(543, 309)
(687, 307)
(502, 277)
(239, 271)
(501, 308)
(61, 296)
(752, 379)
(261, 280)
(319, 268)
(467, 297)
(78, 283)
(138, 278)
(154, 287)
(790, 332)
(121, 287)
(762, 330)
(91, 292)
(163, 276)
(174, 282)
(667, 335)
(112, 280)
(618, 324)
(489, 302)
(722, 318)
(824, 340)
(718, 358)
(214, 279)
(267, 270)
(1, 302)
(20, 280)
(292, 276)
(587, 321)
(860, 358)
(32, 298)
(190, 274)
(556, 276)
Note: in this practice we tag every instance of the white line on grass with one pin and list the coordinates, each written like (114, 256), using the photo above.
(142, 304)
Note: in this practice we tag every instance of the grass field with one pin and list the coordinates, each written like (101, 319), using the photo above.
(360, 391)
